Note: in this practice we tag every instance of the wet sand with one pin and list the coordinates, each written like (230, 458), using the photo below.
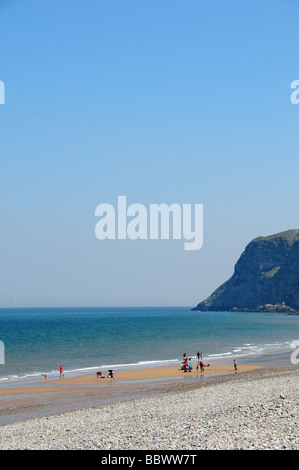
(153, 373)
(253, 409)
(46, 398)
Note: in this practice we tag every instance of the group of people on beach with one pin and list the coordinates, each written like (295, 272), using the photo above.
(109, 376)
(61, 374)
(98, 374)
(186, 365)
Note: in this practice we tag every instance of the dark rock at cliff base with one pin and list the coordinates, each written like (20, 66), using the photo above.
(265, 279)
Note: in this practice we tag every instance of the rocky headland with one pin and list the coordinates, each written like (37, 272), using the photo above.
(265, 279)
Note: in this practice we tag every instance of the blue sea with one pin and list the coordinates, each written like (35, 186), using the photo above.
(84, 340)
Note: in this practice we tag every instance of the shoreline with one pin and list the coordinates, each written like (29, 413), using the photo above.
(265, 359)
(37, 398)
(43, 398)
(58, 395)
(250, 409)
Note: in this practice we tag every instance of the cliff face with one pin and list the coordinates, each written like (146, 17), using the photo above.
(266, 278)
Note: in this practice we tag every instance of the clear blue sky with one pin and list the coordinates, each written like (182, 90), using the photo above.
(161, 101)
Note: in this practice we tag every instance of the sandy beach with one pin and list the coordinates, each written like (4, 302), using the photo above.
(48, 397)
(155, 373)
(153, 409)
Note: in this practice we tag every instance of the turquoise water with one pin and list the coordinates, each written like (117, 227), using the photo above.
(82, 340)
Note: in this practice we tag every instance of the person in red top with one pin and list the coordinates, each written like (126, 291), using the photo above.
(61, 371)
(185, 365)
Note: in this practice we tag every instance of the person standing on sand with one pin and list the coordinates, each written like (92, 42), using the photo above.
(235, 365)
(202, 367)
(61, 371)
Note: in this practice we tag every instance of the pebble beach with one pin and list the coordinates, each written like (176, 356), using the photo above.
(256, 409)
